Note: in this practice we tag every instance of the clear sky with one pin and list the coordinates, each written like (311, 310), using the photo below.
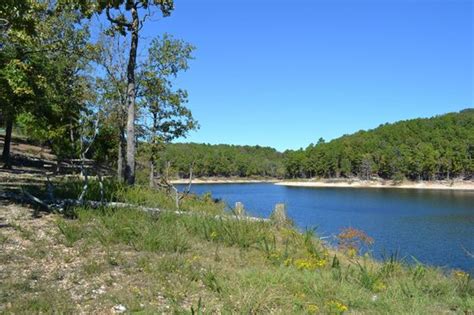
(284, 73)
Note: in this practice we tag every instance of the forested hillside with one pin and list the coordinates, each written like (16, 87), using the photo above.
(222, 160)
(441, 147)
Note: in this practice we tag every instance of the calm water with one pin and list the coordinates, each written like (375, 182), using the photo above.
(431, 225)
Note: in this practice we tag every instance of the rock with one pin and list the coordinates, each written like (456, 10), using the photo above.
(99, 291)
(119, 309)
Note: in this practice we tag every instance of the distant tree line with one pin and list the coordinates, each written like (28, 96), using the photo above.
(441, 147)
(221, 160)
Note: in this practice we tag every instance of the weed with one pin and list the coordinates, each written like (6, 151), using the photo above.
(24, 232)
(209, 279)
(352, 241)
(199, 308)
(71, 231)
(93, 268)
(369, 279)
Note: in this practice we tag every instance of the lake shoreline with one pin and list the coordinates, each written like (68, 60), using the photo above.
(430, 185)
(198, 181)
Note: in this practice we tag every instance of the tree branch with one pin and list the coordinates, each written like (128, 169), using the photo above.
(115, 20)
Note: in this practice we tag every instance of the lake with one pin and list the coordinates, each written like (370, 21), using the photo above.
(434, 226)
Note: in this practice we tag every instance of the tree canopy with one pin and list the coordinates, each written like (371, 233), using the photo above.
(440, 147)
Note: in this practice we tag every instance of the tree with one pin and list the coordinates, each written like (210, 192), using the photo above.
(42, 81)
(113, 88)
(17, 23)
(366, 167)
(132, 24)
(15, 15)
(170, 119)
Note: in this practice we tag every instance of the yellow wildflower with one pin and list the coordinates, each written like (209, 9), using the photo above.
(312, 308)
(301, 295)
(460, 275)
(379, 286)
(337, 306)
(309, 263)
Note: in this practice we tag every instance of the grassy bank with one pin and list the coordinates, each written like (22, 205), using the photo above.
(106, 260)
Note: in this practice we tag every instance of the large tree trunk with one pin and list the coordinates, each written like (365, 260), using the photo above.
(153, 150)
(121, 154)
(7, 143)
(130, 164)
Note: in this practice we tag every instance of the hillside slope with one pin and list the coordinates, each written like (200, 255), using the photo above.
(441, 147)
(223, 160)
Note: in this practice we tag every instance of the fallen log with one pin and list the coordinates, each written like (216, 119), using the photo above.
(62, 204)
(36, 200)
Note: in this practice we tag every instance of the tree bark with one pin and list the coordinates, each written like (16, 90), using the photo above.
(130, 163)
(153, 149)
(7, 143)
(121, 154)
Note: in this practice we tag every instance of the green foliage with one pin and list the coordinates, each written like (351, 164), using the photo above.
(130, 227)
(42, 81)
(229, 232)
(436, 148)
(221, 160)
(138, 195)
(170, 118)
(440, 147)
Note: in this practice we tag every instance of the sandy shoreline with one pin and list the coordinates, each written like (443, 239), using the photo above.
(441, 185)
(457, 185)
(223, 181)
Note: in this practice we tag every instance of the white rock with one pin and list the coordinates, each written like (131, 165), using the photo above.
(120, 308)
(99, 291)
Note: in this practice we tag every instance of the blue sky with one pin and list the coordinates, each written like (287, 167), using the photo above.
(284, 73)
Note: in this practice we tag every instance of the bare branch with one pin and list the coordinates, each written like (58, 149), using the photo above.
(188, 189)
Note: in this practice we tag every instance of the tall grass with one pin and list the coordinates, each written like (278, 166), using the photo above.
(235, 266)
(137, 195)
